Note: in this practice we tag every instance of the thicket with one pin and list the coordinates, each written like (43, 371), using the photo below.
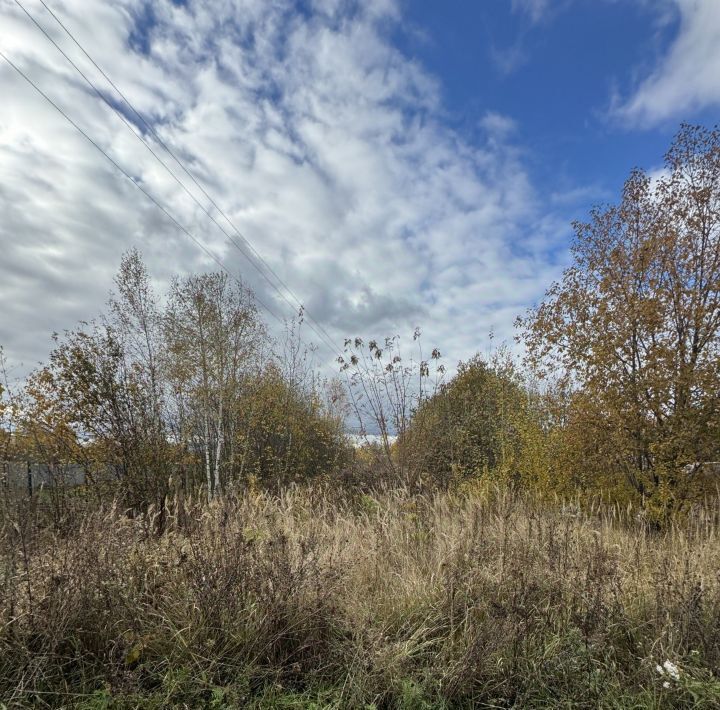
(184, 392)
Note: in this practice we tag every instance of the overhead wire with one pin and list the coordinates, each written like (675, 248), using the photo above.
(317, 327)
(139, 186)
(133, 180)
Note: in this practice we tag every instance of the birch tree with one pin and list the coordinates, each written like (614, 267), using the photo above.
(215, 340)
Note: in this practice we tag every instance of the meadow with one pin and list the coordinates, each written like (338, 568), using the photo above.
(322, 598)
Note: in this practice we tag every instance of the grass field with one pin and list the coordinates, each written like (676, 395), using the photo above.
(315, 600)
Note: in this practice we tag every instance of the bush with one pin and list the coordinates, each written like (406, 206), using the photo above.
(284, 434)
(481, 423)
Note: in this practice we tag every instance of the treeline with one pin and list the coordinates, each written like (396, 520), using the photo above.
(618, 394)
(187, 391)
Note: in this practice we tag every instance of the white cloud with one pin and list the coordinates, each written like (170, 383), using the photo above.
(535, 9)
(324, 144)
(497, 125)
(686, 78)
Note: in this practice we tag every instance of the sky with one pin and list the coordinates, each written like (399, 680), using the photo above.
(397, 163)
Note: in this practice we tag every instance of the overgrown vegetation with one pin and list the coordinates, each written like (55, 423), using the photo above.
(537, 533)
(188, 389)
(484, 599)
(314, 599)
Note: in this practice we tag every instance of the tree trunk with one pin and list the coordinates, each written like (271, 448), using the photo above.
(208, 475)
(219, 449)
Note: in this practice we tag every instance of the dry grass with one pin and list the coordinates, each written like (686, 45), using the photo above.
(311, 599)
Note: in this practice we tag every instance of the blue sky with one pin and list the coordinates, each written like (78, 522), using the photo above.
(398, 163)
(555, 75)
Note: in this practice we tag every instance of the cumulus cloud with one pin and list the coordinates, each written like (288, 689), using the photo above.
(686, 78)
(324, 144)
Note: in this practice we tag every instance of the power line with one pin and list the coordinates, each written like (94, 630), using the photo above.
(317, 327)
(326, 340)
(133, 180)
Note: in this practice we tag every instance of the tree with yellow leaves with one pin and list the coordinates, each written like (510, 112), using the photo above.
(632, 329)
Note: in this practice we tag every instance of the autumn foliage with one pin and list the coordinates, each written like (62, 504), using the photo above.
(619, 392)
(536, 531)
(631, 333)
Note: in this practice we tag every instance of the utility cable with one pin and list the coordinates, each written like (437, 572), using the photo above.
(133, 180)
(317, 327)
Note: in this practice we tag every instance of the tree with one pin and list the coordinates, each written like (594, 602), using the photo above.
(215, 343)
(482, 422)
(633, 326)
(91, 388)
(136, 319)
(102, 387)
(7, 409)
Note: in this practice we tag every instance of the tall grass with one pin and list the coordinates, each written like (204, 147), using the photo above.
(316, 599)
